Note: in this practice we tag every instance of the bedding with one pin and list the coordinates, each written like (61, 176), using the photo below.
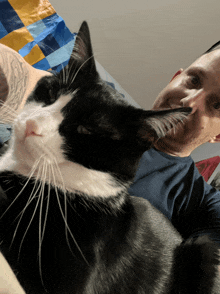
(209, 168)
(41, 37)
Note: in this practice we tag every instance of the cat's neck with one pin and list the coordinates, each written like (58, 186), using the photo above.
(67, 176)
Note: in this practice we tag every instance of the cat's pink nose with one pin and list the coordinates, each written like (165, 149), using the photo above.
(31, 128)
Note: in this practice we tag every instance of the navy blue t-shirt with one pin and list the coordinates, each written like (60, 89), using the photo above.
(175, 187)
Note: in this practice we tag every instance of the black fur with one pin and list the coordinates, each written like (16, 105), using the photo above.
(194, 259)
(117, 244)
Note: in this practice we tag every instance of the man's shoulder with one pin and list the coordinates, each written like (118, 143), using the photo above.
(154, 161)
(159, 156)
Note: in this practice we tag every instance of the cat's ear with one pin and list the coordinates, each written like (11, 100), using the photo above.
(82, 58)
(156, 124)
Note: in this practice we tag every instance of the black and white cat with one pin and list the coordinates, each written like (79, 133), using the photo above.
(68, 224)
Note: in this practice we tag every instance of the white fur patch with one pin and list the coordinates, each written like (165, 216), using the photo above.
(40, 155)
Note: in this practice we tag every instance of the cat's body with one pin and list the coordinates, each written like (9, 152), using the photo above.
(119, 250)
(68, 224)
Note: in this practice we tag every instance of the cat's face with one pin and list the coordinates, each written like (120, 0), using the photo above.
(78, 124)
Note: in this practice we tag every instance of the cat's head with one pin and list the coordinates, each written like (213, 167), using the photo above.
(82, 126)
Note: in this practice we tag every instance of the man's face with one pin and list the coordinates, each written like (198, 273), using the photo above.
(198, 87)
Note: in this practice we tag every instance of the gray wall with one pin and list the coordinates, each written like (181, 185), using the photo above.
(142, 43)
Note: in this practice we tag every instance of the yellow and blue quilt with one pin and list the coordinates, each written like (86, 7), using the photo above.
(37, 32)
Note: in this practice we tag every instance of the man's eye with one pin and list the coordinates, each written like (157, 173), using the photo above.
(195, 81)
(216, 105)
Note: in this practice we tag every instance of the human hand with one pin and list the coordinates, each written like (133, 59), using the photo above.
(8, 281)
(17, 80)
(3, 87)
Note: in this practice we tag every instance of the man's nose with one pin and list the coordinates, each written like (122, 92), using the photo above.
(194, 100)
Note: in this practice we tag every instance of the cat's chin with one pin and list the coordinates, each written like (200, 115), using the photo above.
(31, 150)
(68, 176)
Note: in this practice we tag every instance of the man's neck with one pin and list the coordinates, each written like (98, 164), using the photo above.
(173, 148)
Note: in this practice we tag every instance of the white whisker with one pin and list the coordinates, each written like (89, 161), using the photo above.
(70, 69)
(80, 69)
(64, 74)
(47, 207)
(6, 116)
(39, 186)
(66, 69)
(29, 178)
(43, 180)
(6, 120)
(5, 113)
(41, 197)
(65, 202)
(30, 199)
(37, 111)
(65, 221)
(8, 107)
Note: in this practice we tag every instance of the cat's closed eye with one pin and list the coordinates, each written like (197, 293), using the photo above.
(82, 130)
(53, 97)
